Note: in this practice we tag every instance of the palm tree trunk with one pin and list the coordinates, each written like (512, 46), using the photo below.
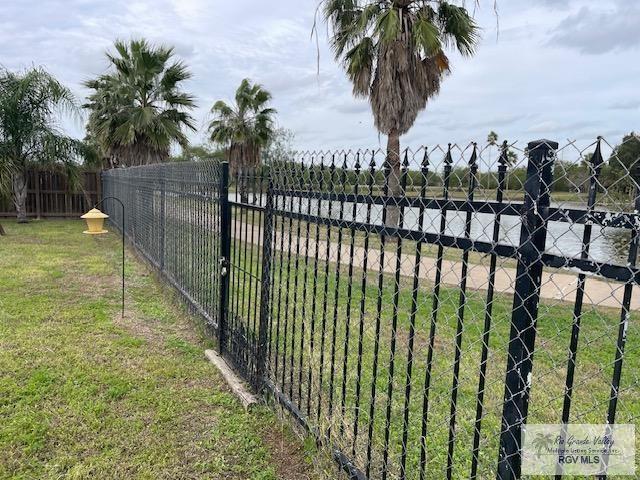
(20, 195)
(393, 178)
(255, 170)
(243, 165)
(244, 191)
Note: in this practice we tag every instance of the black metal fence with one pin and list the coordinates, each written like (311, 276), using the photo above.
(412, 315)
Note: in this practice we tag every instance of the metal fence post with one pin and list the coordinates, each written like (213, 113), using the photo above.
(225, 253)
(98, 192)
(526, 297)
(104, 181)
(265, 292)
(133, 223)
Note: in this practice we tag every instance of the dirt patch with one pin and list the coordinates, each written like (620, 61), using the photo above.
(288, 456)
(137, 326)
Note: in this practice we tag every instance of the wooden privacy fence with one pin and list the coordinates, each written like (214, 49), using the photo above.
(49, 195)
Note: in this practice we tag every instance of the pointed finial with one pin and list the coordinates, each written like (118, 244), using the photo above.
(503, 159)
(312, 172)
(332, 167)
(425, 159)
(473, 161)
(596, 158)
(448, 160)
(405, 160)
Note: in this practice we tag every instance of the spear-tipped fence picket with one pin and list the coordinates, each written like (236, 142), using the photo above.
(412, 332)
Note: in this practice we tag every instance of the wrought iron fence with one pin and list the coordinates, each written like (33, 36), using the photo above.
(413, 313)
(173, 219)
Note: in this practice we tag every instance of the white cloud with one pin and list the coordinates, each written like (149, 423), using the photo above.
(538, 77)
(600, 29)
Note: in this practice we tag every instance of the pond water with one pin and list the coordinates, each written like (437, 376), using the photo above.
(609, 245)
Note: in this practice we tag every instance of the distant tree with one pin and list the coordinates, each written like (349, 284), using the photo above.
(516, 178)
(198, 153)
(570, 176)
(621, 172)
(280, 147)
(29, 133)
(394, 54)
(244, 130)
(512, 157)
(94, 159)
(138, 109)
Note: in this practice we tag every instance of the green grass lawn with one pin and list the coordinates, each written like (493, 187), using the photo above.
(86, 394)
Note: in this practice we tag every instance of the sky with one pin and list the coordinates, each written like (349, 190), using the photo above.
(556, 69)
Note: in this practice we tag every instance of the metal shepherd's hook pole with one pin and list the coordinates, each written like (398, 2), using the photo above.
(123, 234)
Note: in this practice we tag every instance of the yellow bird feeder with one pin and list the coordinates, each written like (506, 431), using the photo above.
(95, 226)
(95, 222)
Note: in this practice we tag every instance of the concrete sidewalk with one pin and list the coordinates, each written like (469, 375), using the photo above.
(555, 284)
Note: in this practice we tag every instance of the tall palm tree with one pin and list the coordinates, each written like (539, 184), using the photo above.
(29, 133)
(244, 129)
(138, 109)
(394, 54)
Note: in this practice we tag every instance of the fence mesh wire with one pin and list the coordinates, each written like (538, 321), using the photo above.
(172, 216)
(417, 309)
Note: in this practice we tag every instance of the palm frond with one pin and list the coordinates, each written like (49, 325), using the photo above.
(29, 134)
(359, 62)
(388, 25)
(393, 51)
(426, 35)
(138, 108)
(459, 29)
(246, 127)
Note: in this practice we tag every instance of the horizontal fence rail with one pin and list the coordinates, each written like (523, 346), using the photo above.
(413, 312)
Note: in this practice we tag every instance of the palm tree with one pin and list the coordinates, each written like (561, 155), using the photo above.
(6, 176)
(138, 110)
(394, 54)
(244, 129)
(29, 133)
(512, 157)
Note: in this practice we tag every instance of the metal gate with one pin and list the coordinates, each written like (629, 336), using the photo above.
(245, 262)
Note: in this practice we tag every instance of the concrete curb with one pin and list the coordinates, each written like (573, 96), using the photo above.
(238, 387)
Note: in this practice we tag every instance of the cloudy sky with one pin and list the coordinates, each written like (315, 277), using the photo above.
(559, 69)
